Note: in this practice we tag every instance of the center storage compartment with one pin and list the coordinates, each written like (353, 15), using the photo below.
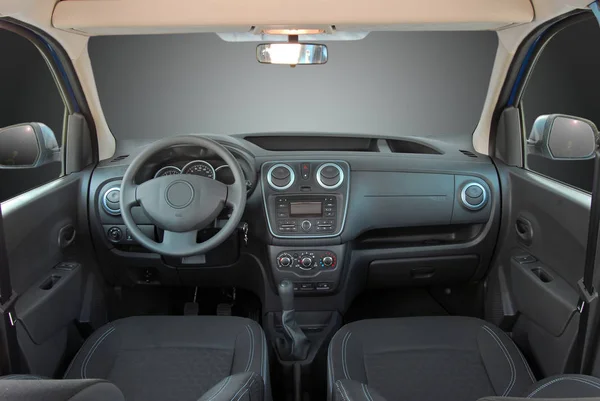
(391, 273)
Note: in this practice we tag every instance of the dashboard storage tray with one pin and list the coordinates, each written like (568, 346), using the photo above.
(391, 273)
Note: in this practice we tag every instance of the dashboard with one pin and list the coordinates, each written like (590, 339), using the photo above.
(381, 212)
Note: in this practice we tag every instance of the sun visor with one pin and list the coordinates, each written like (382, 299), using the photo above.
(110, 17)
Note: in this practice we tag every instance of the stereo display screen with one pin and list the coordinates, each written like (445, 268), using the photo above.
(306, 209)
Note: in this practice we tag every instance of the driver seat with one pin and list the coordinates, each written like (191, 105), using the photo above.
(178, 358)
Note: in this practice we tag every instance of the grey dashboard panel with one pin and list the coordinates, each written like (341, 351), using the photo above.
(401, 199)
(394, 199)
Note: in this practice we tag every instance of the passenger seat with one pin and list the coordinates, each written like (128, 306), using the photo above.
(437, 359)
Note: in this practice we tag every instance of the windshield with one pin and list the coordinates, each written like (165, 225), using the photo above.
(390, 83)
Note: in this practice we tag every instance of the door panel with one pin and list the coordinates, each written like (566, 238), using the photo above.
(532, 289)
(48, 270)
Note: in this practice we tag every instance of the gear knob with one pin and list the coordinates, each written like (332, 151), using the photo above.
(286, 293)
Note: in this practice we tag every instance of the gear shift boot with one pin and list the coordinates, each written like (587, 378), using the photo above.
(295, 346)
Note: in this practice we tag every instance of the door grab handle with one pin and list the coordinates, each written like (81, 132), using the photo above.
(524, 230)
(66, 236)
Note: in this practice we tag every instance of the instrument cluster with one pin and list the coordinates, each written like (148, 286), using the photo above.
(214, 170)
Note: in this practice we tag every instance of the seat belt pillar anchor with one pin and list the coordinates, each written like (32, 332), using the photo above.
(585, 296)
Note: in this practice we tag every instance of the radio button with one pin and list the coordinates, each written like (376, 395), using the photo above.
(282, 205)
(282, 214)
(323, 286)
(329, 214)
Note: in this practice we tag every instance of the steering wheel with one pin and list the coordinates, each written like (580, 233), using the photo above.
(182, 204)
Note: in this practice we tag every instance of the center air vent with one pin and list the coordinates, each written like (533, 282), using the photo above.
(281, 176)
(330, 176)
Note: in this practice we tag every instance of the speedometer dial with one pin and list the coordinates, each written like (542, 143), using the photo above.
(199, 167)
(167, 170)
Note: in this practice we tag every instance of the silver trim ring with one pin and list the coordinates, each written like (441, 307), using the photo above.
(463, 196)
(105, 202)
(214, 177)
(330, 186)
(164, 168)
(292, 174)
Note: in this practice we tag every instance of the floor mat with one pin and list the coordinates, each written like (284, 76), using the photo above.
(140, 301)
(393, 303)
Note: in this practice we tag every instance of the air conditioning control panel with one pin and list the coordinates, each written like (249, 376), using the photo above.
(306, 260)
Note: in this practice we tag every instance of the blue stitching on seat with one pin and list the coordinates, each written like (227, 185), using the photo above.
(339, 384)
(367, 392)
(344, 348)
(513, 369)
(221, 389)
(577, 379)
(251, 353)
(330, 368)
(244, 386)
(91, 352)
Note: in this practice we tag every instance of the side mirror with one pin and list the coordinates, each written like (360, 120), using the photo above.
(27, 145)
(561, 137)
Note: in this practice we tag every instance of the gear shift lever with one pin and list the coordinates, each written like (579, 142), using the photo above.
(296, 345)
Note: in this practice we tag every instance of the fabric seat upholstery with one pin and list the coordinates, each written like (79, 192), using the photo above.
(172, 357)
(428, 358)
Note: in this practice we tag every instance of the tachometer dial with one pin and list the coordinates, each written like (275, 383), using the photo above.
(224, 174)
(199, 167)
(167, 170)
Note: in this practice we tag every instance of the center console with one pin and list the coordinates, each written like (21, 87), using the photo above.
(306, 200)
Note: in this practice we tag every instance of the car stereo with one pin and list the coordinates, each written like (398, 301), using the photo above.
(306, 214)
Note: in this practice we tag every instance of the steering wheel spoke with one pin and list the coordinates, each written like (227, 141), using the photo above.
(235, 193)
(129, 197)
(179, 241)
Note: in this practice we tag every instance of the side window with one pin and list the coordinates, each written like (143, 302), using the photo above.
(28, 94)
(564, 80)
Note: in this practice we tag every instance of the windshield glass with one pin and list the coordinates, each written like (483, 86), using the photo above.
(390, 83)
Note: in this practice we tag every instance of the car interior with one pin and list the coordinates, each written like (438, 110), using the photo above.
(301, 201)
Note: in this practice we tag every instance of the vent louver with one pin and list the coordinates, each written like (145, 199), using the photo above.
(467, 153)
(119, 158)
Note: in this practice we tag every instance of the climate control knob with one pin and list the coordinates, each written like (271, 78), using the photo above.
(285, 260)
(306, 263)
(327, 260)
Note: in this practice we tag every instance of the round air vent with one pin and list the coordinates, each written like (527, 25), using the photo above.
(474, 196)
(281, 176)
(330, 176)
(111, 201)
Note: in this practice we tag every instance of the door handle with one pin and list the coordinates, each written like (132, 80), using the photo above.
(66, 236)
(524, 230)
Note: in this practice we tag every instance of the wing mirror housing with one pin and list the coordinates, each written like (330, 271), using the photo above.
(562, 137)
(28, 145)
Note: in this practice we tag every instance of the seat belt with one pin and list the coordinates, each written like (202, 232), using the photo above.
(10, 355)
(582, 360)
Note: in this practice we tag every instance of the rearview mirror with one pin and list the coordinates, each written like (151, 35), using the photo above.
(561, 137)
(27, 145)
(291, 53)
